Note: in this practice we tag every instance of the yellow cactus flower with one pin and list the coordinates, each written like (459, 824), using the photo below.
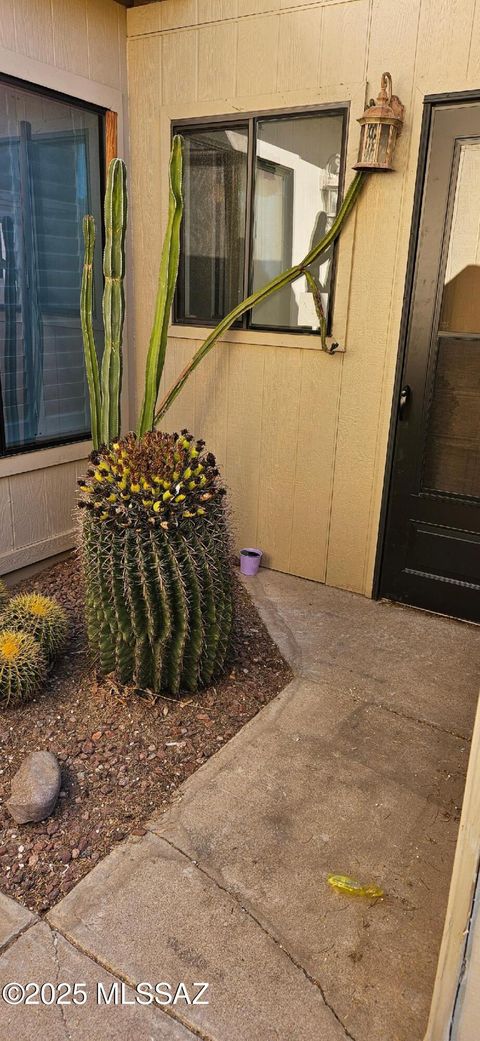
(191, 485)
(10, 644)
(147, 502)
(200, 511)
(180, 498)
(85, 488)
(166, 496)
(111, 498)
(157, 506)
(103, 516)
(135, 487)
(187, 473)
(98, 476)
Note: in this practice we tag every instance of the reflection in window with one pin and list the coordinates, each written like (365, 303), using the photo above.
(282, 175)
(452, 450)
(213, 235)
(49, 178)
(460, 311)
(296, 197)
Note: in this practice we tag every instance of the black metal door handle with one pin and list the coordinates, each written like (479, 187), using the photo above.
(405, 395)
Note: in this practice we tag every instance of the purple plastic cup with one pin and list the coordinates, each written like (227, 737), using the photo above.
(250, 561)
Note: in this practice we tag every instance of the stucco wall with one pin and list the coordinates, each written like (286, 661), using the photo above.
(77, 47)
(301, 436)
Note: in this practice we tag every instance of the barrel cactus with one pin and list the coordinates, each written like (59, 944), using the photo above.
(40, 616)
(22, 667)
(156, 557)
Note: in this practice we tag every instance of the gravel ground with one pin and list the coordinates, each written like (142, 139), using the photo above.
(122, 756)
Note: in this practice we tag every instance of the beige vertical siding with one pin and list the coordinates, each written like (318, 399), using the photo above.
(77, 47)
(302, 436)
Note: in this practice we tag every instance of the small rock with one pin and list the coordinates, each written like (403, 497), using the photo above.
(35, 788)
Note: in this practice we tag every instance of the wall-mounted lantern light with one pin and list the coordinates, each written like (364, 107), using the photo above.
(381, 123)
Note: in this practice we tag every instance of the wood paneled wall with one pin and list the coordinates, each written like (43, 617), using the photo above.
(74, 46)
(301, 436)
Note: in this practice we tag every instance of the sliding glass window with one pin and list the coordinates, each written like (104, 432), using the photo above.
(51, 162)
(258, 194)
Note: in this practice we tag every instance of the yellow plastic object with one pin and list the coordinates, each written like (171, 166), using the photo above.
(348, 885)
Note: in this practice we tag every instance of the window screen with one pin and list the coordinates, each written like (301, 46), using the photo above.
(50, 176)
(258, 195)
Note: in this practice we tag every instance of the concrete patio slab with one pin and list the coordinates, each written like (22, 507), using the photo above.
(13, 920)
(40, 955)
(422, 665)
(319, 783)
(355, 771)
(147, 910)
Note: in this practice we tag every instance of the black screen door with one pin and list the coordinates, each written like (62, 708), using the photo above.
(431, 555)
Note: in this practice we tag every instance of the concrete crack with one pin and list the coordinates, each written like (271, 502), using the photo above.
(63, 1014)
(247, 910)
(13, 939)
(102, 963)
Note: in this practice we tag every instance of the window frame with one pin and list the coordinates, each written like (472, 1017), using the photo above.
(101, 111)
(250, 121)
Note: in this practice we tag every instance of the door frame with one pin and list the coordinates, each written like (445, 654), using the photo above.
(430, 101)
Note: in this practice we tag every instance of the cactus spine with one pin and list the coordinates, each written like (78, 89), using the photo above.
(156, 560)
(42, 618)
(22, 667)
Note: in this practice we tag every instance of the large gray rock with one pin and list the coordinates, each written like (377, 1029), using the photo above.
(35, 788)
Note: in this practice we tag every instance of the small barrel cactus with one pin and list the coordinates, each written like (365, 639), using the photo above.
(40, 616)
(22, 667)
(156, 555)
(4, 596)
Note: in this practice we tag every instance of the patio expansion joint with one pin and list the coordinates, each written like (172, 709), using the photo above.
(13, 939)
(63, 1016)
(411, 719)
(118, 974)
(248, 911)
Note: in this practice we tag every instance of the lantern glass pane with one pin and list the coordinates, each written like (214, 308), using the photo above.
(370, 142)
(383, 158)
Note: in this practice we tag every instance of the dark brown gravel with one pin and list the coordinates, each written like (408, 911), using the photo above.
(122, 756)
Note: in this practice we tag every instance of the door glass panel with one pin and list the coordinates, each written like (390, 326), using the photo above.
(452, 456)
(460, 311)
(452, 461)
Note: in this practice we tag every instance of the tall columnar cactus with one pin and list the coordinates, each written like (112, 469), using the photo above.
(105, 391)
(156, 558)
(22, 667)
